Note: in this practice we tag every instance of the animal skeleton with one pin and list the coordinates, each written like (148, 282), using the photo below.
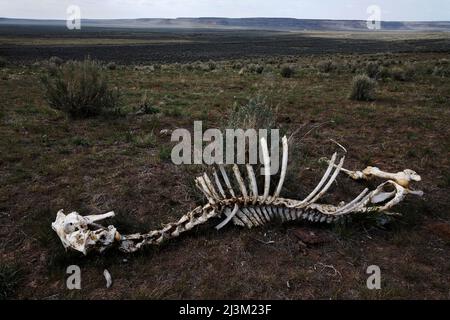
(247, 208)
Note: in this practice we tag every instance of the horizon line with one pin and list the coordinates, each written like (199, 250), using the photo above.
(212, 17)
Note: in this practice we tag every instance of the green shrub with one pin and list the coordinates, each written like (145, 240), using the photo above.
(255, 114)
(80, 89)
(287, 71)
(384, 73)
(441, 71)
(111, 66)
(57, 61)
(402, 74)
(256, 68)
(363, 88)
(212, 65)
(373, 70)
(326, 66)
(146, 106)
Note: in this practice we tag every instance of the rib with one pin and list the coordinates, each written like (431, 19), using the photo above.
(266, 160)
(240, 181)
(321, 182)
(283, 169)
(327, 186)
(228, 219)
(253, 184)
(227, 181)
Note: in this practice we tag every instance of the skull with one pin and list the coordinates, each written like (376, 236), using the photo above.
(75, 233)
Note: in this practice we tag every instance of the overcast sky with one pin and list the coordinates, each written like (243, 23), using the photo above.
(306, 9)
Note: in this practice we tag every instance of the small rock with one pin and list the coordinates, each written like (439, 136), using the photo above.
(308, 236)
(165, 132)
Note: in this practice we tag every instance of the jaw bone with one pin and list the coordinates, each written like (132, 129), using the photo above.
(244, 207)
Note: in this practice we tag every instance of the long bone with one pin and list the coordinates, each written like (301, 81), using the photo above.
(246, 209)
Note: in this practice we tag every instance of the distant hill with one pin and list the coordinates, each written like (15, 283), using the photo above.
(243, 23)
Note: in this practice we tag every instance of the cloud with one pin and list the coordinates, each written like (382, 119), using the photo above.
(307, 9)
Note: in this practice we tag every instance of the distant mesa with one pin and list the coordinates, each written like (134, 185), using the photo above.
(286, 24)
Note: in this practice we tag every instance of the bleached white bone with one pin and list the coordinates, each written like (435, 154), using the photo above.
(240, 181)
(201, 184)
(252, 183)
(283, 169)
(228, 218)
(73, 231)
(352, 203)
(266, 161)
(211, 188)
(82, 233)
(327, 186)
(403, 178)
(227, 180)
(219, 185)
(321, 182)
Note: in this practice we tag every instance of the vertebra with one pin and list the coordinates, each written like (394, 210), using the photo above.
(245, 207)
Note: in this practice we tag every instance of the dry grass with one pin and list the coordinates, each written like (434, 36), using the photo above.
(93, 165)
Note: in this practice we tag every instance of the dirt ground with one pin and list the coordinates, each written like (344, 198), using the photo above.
(49, 162)
(29, 44)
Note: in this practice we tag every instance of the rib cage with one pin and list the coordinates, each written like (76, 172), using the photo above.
(246, 206)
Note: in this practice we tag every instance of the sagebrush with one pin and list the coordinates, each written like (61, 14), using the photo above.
(363, 88)
(80, 89)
